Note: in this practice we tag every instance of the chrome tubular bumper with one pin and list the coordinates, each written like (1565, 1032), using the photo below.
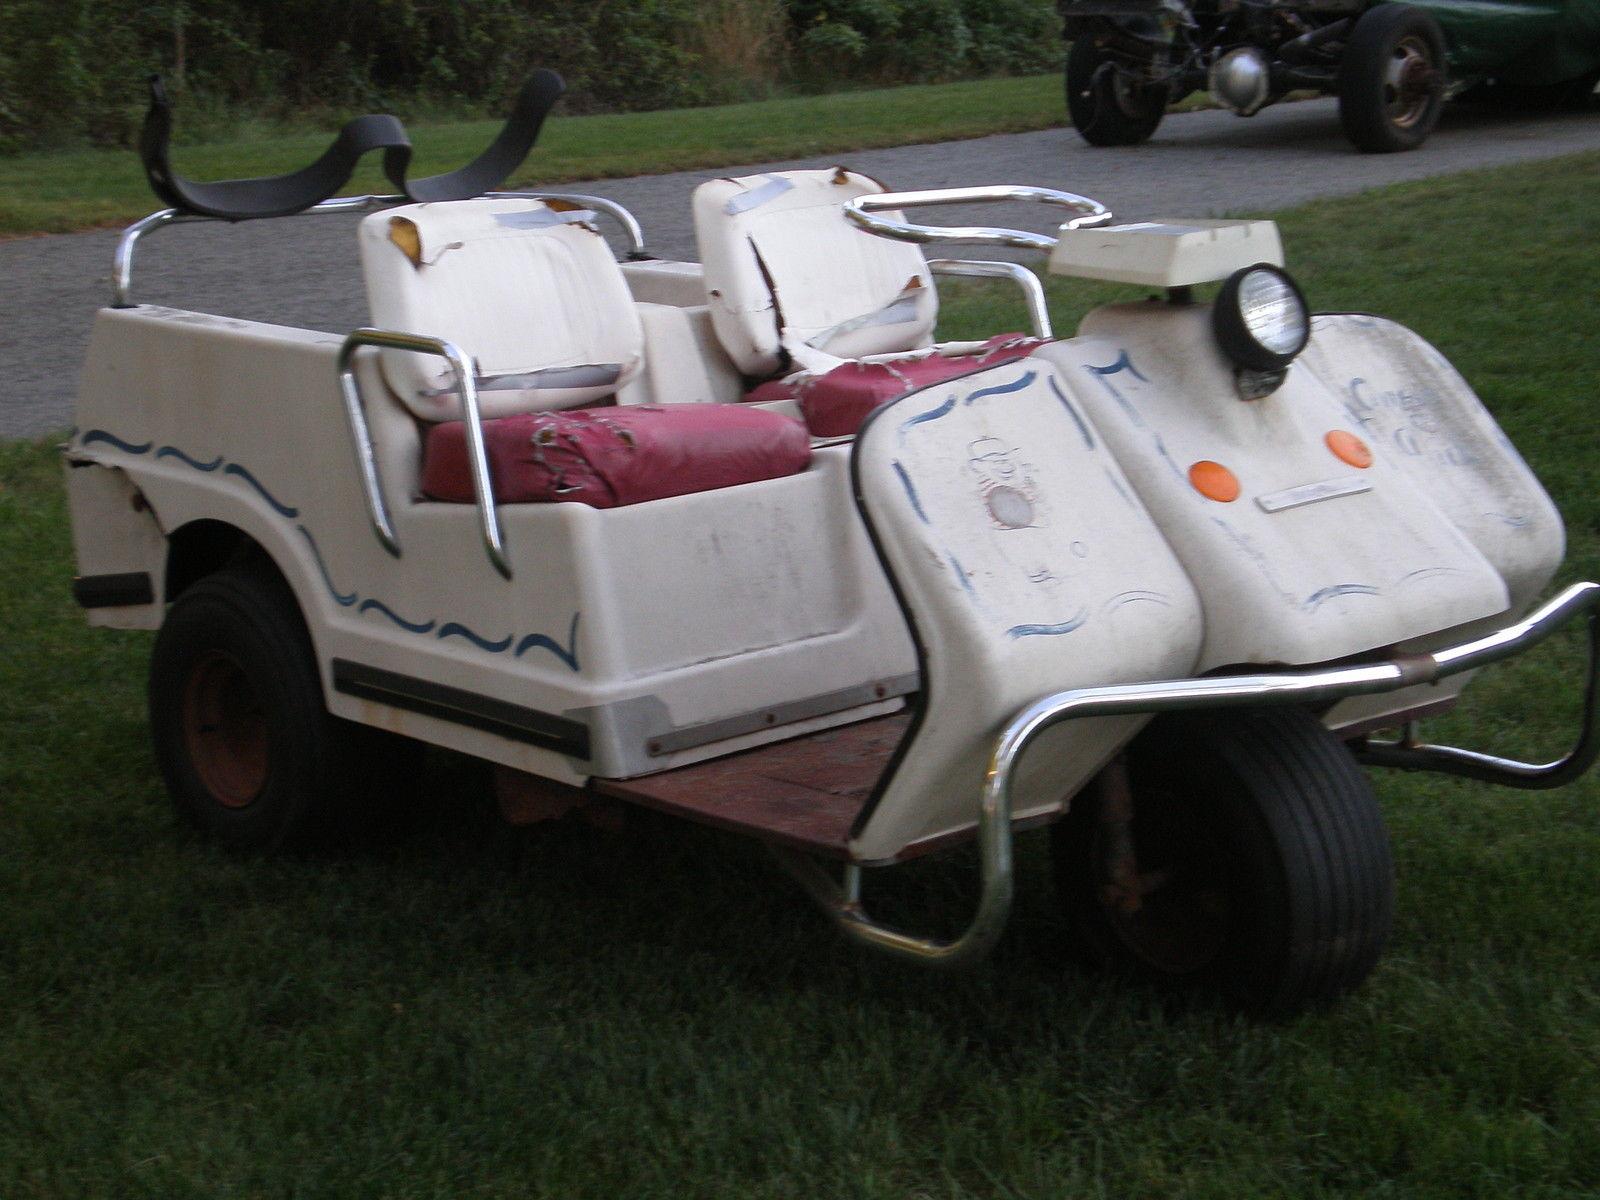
(843, 902)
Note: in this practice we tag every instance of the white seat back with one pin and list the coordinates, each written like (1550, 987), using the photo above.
(533, 294)
(790, 281)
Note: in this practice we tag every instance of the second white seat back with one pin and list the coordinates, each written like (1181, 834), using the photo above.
(790, 280)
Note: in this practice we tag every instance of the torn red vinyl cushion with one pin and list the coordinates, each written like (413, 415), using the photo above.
(607, 457)
(836, 402)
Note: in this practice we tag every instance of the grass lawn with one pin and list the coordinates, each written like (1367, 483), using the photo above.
(475, 1010)
(64, 190)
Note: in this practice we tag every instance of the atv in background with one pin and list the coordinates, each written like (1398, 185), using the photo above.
(1391, 65)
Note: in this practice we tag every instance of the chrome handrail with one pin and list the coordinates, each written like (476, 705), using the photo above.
(1032, 289)
(465, 387)
(128, 243)
(843, 902)
(861, 210)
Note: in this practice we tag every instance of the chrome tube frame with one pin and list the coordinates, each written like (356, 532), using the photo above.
(861, 210)
(1317, 687)
(464, 385)
(128, 243)
(1032, 289)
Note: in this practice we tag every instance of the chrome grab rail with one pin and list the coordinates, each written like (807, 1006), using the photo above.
(843, 902)
(466, 389)
(861, 210)
(128, 243)
(1032, 289)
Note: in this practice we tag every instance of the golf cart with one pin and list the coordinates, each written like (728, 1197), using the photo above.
(741, 541)
(1391, 65)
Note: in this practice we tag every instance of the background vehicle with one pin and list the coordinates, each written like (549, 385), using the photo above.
(1392, 65)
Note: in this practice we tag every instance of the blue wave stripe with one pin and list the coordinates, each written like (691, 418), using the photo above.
(283, 510)
(567, 654)
(1003, 388)
(1083, 428)
(174, 452)
(456, 629)
(1123, 363)
(1316, 599)
(1022, 631)
(933, 414)
(101, 435)
(409, 626)
(911, 490)
(344, 599)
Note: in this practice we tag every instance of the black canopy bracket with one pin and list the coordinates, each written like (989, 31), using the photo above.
(296, 191)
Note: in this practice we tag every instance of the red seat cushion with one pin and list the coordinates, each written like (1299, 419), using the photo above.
(835, 403)
(605, 457)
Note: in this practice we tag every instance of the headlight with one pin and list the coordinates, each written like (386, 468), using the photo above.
(1260, 318)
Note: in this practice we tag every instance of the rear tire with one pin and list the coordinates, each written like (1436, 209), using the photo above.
(249, 752)
(1263, 866)
(1391, 79)
(1105, 109)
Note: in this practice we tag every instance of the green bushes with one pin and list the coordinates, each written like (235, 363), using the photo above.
(72, 70)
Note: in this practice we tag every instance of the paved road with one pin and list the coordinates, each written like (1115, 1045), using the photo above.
(305, 272)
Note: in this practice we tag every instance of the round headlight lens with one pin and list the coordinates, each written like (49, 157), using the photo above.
(1261, 319)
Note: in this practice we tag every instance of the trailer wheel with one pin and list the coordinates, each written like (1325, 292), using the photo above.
(1106, 107)
(1392, 79)
(1251, 860)
(244, 742)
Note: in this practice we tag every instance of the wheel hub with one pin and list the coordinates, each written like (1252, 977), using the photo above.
(1411, 83)
(225, 730)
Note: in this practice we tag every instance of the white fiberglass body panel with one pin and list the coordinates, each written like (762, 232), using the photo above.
(1314, 558)
(1416, 410)
(693, 625)
(1028, 565)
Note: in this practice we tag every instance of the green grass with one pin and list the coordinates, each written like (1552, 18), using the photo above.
(473, 1010)
(61, 191)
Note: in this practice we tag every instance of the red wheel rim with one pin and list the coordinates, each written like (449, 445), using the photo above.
(225, 730)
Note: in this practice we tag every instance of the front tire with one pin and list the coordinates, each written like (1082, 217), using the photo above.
(1392, 79)
(1106, 108)
(248, 750)
(1254, 862)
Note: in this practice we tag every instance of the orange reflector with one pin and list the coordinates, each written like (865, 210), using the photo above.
(1214, 481)
(1349, 448)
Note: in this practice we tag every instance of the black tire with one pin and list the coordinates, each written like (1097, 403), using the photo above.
(1392, 79)
(1265, 867)
(1106, 110)
(249, 752)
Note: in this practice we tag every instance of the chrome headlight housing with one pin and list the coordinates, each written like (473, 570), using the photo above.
(1260, 318)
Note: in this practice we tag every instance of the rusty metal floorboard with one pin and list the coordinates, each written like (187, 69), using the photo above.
(804, 792)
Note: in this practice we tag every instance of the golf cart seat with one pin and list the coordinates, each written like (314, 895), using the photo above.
(827, 314)
(535, 298)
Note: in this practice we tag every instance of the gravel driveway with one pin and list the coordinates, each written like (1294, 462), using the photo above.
(305, 272)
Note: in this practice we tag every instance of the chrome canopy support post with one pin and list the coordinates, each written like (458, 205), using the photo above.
(1324, 686)
(465, 387)
(1032, 289)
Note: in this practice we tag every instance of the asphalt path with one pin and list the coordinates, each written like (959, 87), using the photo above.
(305, 272)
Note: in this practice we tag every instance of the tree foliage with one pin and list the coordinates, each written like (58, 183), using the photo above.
(73, 70)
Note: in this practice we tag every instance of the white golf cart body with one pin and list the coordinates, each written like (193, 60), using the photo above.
(990, 556)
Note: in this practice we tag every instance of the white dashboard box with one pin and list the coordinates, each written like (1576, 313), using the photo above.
(1166, 253)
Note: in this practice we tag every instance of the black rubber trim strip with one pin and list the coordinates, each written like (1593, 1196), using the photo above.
(462, 708)
(114, 591)
(284, 195)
